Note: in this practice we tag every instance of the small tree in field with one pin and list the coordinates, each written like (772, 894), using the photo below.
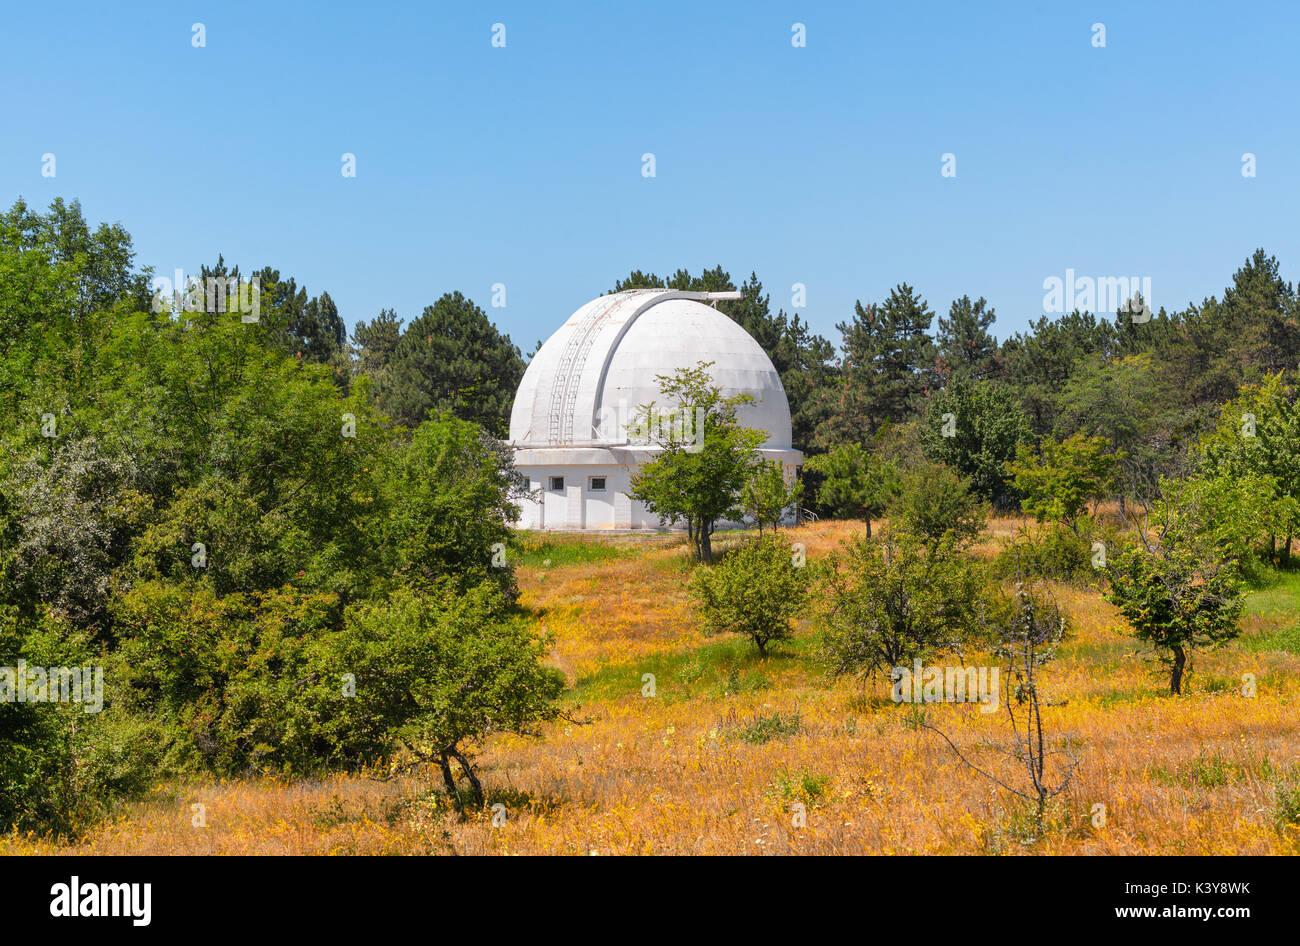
(703, 463)
(933, 501)
(1174, 590)
(767, 495)
(856, 482)
(755, 590)
(438, 673)
(893, 599)
(1059, 484)
(1027, 640)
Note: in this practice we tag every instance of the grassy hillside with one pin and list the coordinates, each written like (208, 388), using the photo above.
(715, 760)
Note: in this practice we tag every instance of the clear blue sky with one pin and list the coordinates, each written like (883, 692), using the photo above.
(522, 165)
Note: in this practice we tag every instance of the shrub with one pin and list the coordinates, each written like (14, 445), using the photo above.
(891, 600)
(437, 672)
(933, 502)
(62, 768)
(763, 729)
(755, 590)
(1174, 590)
(1058, 553)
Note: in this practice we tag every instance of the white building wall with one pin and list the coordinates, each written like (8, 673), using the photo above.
(578, 507)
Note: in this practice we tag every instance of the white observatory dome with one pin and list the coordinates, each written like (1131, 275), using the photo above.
(570, 416)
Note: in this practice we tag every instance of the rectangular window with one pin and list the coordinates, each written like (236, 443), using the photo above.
(557, 483)
(598, 484)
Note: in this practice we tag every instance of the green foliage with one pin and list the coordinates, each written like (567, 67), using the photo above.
(1286, 809)
(934, 503)
(448, 498)
(802, 786)
(755, 591)
(62, 768)
(768, 496)
(1054, 552)
(441, 669)
(1257, 441)
(216, 513)
(1058, 484)
(283, 682)
(452, 358)
(894, 599)
(703, 461)
(1125, 401)
(975, 428)
(238, 683)
(763, 728)
(1174, 590)
(965, 346)
(1042, 361)
(855, 482)
(375, 342)
(1239, 515)
(888, 363)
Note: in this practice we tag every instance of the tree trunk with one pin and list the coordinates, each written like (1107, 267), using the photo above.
(1286, 551)
(475, 784)
(868, 527)
(447, 777)
(706, 544)
(1176, 675)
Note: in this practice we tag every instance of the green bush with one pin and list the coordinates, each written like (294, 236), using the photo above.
(1057, 553)
(934, 502)
(61, 767)
(755, 590)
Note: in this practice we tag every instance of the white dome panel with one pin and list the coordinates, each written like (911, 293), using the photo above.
(603, 362)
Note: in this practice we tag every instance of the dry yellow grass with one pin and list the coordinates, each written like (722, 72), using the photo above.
(668, 775)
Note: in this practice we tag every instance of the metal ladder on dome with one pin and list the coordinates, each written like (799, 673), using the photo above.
(568, 373)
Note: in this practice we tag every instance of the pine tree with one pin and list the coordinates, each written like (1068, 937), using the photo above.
(966, 348)
(888, 365)
(375, 342)
(452, 358)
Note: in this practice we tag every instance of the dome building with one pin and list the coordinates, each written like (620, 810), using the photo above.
(569, 423)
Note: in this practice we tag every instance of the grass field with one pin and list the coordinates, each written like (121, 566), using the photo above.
(716, 761)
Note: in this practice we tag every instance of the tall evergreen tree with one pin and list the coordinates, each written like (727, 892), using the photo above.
(1041, 361)
(452, 358)
(966, 348)
(887, 366)
(375, 342)
(1259, 311)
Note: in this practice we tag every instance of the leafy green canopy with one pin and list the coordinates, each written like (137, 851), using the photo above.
(702, 465)
(756, 590)
(1175, 589)
(271, 575)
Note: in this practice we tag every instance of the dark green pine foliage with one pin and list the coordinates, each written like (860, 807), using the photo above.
(966, 347)
(452, 358)
(309, 328)
(1041, 362)
(375, 342)
(888, 365)
(320, 330)
(1260, 308)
